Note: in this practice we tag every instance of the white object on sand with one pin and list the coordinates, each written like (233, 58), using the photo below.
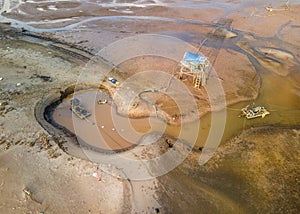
(97, 175)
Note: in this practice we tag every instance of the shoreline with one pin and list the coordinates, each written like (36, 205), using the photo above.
(253, 171)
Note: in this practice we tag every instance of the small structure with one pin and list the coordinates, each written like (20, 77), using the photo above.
(78, 110)
(102, 101)
(250, 111)
(196, 66)
(134, 105)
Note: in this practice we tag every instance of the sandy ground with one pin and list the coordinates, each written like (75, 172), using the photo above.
(257, 171)
(33, 182)
(48, 178)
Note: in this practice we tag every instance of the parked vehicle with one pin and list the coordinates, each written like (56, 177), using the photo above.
(114, 81)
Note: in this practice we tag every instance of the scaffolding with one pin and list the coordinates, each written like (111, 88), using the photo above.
(196, 66)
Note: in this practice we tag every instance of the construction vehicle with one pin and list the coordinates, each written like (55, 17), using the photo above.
(78, 109)
(250, 111)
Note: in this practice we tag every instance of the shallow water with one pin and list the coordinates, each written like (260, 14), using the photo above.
(280, 95)
(107, 130)
(104, 129)
(27, 19)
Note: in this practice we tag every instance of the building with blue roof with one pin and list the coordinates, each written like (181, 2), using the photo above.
(196, 66)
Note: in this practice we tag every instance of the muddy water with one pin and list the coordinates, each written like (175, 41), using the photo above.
(278, 94)
(105, 129)
(108, 130)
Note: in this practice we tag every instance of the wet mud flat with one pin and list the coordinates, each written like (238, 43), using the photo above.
(255, 171)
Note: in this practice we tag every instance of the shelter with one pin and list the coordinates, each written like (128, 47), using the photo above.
(196, 66)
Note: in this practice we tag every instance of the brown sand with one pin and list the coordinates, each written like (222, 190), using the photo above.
(255, 172)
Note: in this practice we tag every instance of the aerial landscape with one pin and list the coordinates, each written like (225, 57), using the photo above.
(149, 106)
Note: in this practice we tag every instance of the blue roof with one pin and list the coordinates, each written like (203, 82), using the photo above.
(191, 58)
